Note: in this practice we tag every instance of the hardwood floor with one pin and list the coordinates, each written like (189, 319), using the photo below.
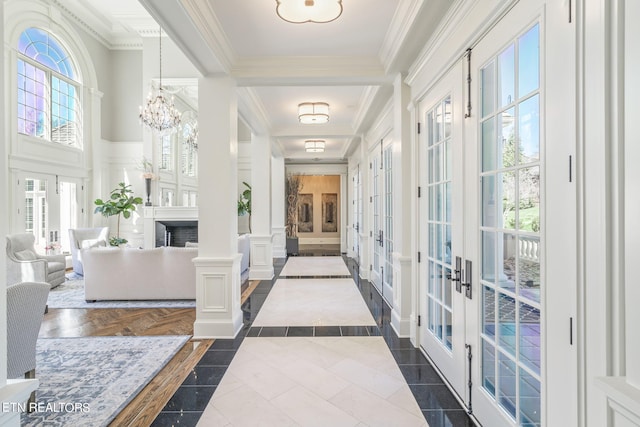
(144, 408)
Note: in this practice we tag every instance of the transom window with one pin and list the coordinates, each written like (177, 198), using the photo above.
(48, 100)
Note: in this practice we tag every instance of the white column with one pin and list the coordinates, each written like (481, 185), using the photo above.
(278, 213)
(11, 391)
(261, 236)
(218, 313)
(403, 200)
(367, 218)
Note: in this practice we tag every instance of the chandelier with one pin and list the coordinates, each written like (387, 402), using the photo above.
(191, 138)
(314, 146)
(311, 113)
(301, 11)
(159, 113)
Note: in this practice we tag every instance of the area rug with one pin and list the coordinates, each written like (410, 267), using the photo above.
(70, 294)
(88, 381)
(315, 266)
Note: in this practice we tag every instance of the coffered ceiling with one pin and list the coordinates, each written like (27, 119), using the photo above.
(349, 63)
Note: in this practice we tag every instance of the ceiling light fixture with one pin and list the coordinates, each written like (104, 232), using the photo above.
(314, 145)
(312, 113)
(301, 11)
(159, 113)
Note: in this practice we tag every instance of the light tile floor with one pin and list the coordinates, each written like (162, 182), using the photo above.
(438, 406)
(313, 381)
(307, 266)
(314, 302)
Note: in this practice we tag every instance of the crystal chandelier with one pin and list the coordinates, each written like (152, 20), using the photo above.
(191, 139)
(159, 113)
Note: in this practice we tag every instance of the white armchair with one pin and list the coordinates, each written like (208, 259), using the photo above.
(84, 238)
(25, 308)
(24, 264)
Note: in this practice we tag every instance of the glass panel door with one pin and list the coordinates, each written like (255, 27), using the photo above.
(510, 228)
(376, 226)
(443, 332)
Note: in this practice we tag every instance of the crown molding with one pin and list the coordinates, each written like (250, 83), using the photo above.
(306, 71)
(401, 24)
(252, 110)
(206, 21)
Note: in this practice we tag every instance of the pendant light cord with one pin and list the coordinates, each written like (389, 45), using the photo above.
(160, 40)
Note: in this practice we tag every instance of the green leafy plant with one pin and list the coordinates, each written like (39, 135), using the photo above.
(244, 203)
(121, 202)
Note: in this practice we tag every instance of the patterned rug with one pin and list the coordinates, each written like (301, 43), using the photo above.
(88, 381)
(70, 294)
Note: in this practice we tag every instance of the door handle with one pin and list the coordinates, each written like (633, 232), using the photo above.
(467, 278)
(456, 275)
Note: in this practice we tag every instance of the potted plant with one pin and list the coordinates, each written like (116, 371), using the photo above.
(120, 203)
(294, 186)
(244, 203)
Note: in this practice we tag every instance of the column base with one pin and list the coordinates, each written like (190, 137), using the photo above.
(279, 242)
(402, 307)
(261, 257)
(218, 312)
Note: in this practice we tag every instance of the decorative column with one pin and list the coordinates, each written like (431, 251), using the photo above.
(261, 236)
(218, 313)
(367, 215)
(404, 201)
(278, 213)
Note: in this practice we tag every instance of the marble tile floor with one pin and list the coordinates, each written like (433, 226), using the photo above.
(305, 266)
(438, 406)
(314, 302)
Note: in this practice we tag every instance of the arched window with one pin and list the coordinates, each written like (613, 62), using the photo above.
(48, 98)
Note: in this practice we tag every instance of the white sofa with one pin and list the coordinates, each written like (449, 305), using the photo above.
(139, 274)
(244, 248)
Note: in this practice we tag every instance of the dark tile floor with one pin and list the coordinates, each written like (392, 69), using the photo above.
(438, 405)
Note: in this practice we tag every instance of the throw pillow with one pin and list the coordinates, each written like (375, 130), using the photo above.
(26, 255)
(92, 243)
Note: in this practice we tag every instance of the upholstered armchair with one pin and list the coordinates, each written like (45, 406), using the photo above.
(84, 238)
(25, 308)
(24, 264)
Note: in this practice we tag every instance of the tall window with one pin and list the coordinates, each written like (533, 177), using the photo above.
(166, 153)
(48, 100)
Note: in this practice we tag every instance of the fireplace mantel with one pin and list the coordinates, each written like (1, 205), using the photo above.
(154, 214)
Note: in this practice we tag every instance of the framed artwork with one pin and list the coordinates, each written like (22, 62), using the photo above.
(305, 213)
(329, 212)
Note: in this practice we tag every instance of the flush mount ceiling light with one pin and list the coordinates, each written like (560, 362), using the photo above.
(314, 145)
(311, 113)
(301, 11)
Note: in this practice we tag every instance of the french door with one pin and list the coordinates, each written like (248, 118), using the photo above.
(381, 168)
(48, 206)
(441, 225)
(491, 223)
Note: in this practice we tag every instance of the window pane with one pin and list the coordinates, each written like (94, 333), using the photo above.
(488, 201)
(529, 130)
(507, 139)
(508, 182)
(488, 256)
(507, 392)
(529, 199)
(529, 267)
(529, 61)
(507, 323)
(530, 337)
(506, 77)
(489, 144)
(529, 400)
(447, 117)
(488, 367)
(488, 89)
(507, 269)
(488, 312)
